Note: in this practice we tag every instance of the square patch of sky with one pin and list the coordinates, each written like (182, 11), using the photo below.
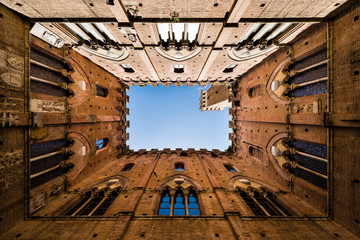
(170, 117)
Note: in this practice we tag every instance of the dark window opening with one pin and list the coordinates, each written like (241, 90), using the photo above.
(254, 91)
(179, 166)
(127, 68)
(101, 91)
(256, 153)
(178, 68)
(93, 204)
(127, 167)
(183, 154)
(229, 168)
(230, 68)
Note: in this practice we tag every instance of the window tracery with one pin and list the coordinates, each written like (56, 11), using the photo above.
(179, 202)
(260, 200)
(303, 159)
(96, 201)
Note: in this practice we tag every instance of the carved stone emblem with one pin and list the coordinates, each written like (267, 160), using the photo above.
(15, 62)
(10, 158)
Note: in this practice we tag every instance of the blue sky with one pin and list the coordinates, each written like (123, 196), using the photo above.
(169, 117)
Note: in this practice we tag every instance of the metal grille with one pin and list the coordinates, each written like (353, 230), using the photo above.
(311, 163)
(311, 74)
(311, 60)
(309, 90)
(47, 147)
(311, 148)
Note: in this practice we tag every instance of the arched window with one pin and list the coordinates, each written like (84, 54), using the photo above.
(94, 203)
(229, 168)
(263, 203)
(101, 91)
(49, 161)
(179, 202)
(165, 204)
(179, 166)
(127, 167)
(309, 162)
(254, 91)
(101, 143)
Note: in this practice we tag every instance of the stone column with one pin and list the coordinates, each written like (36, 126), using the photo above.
(186, 199)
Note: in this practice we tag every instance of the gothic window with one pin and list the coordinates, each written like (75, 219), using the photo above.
(193, 204)
(309, 75)
(165, 204)
(229, 168)
(179, 166)
(179, 203)
(48, 161)
(101, 143)
(263, 203)
(230, 68)
(127, 68)
(309, 162)
(101, 91)
(45, 77)
(127, 167)
(94, 203)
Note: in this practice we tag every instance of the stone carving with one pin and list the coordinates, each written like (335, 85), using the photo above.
(7, 119)
(11, 69)
(16, 62)
(132, 7)
(8, 159)
(37, 202)
(12, 78)
(38, 105)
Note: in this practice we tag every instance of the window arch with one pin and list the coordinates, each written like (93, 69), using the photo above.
(229, 168)
(127, 167)
(263, 203)
(303, 159)
(48, 160)
(101, 91)
(101, 143)
(179, 202)
(179, 166)
(94, 203)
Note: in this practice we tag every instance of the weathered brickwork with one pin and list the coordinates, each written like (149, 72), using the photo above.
(292, 172)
